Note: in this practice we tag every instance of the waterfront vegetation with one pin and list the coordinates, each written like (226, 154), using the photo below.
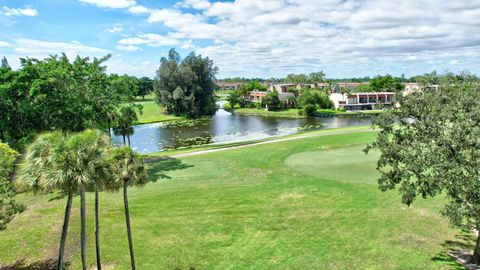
(221, 210)
(298, 113)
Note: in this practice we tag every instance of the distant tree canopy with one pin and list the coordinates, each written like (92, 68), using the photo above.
(145, 87)
(313, 77)
(385, 84)
(252, 85)
(186, 86)
(58, 94)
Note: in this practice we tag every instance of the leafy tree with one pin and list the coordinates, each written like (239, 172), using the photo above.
(235, 99)
(128, 169)
(186, 86)
(55, 94)
(145, 87)
(429, 146)
(253, 85)
(125, 117)
(310, 109)
(385, 83)
(8, 206)
(271, 101)
(316, 77)
(125, 87)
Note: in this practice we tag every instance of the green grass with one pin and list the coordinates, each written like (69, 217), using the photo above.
(310, 203)
(152, 112)
(290, 113)
(293, 113)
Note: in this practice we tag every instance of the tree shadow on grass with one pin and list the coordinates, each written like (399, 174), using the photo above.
(458, 254)
(49, 264)
(157, 168)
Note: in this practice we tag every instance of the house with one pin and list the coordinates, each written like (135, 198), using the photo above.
(362, 101)
(281, 88)
(410, 87)
(228, 85)
(257, 96)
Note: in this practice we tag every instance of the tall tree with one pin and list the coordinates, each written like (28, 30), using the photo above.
(429, 146)
(128, 168)
(125, 116)
(145, 87)
(70, 163)
(8, 206)
(186, 86)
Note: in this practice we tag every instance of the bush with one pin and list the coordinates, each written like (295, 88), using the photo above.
(271, 101)
(310, 109)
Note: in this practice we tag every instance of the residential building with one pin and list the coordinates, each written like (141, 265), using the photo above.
(228, 85)
(362, 101)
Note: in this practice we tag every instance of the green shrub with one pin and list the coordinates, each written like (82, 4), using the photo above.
(309, 109)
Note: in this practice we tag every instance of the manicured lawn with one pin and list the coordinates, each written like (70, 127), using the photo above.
(310, 203)
(153, 113)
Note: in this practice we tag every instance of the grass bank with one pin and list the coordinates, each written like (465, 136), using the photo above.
(153, 113)
(294, 113)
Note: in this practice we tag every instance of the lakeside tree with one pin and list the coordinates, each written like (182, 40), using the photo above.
(128, 169)
(271, 101)
(125, 116)
(8, 206)
(186, 86)
(429, 146)
(145, 87)
(58, 94)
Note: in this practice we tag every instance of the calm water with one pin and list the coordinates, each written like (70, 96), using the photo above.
(226, 127)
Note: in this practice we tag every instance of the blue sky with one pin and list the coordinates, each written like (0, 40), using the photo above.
(251, 38)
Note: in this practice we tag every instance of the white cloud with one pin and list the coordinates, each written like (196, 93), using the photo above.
(4, 44)
(343, 38)
(27, 11)
(39, 48)
(196, 4)
(115, 4)
(139, 9)
(116, 28)
(151, 40)
(128, 48)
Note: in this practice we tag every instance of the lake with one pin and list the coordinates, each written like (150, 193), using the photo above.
(226, 127)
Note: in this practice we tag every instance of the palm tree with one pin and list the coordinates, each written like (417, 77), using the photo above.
(89, 150)
(125, 116)
(71, 163)
(128, 169)
(37, 170)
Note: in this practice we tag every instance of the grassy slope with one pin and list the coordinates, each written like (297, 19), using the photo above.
(290, 205)
(152, 112)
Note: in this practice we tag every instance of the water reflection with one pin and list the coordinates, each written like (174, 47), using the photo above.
(226, 127)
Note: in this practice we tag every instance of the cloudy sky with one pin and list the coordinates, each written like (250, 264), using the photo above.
(251, 38)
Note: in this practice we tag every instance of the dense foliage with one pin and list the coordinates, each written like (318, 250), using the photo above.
(271, 101)
(145, 87)
(430, 146)
(8, 206)
(58, 94)
(186, 86)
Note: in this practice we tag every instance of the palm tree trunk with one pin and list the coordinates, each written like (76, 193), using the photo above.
(97, 231)
(82, 228)
(128, 137)
(124, 142)
(109, 128)
(63, 238)
(127, 222)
